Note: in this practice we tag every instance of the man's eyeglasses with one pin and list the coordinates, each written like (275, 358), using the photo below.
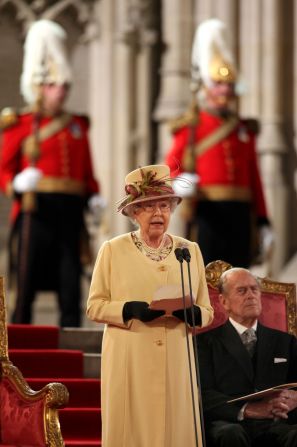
(150, 207)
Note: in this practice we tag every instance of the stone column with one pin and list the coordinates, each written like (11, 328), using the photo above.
(272, 145)
(142, 133)
(101, 106)
(178, 27)
(250, 58)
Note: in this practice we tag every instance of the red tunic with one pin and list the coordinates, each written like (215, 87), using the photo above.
(65, 154)
(230, 162)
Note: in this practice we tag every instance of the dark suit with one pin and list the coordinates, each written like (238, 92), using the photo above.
(228, 372)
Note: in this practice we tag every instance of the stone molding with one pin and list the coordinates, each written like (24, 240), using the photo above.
(40, 9)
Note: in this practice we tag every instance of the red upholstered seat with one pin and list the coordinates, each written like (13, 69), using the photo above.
(27, 418)
(278, 300)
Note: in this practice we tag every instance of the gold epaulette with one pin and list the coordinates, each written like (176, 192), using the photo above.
(8, 117)
(189, 118)
(253, 125)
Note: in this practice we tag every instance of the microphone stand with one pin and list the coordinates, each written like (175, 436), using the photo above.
(179, 256)
(187, 257)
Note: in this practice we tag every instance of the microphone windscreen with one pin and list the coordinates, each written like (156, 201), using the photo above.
(186, 254)
(179, 254)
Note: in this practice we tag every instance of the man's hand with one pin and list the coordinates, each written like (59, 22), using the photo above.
(274, 407)
(285, 397)
(185, 185)
(267, 240)
(97, 205)
(26, 180)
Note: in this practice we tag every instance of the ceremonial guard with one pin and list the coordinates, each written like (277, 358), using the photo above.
(213, 150)
(46, 167)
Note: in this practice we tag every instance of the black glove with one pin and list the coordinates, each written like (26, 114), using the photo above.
(181, 316)
(141, 311)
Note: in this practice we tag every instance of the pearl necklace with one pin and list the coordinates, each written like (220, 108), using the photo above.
(156, 254)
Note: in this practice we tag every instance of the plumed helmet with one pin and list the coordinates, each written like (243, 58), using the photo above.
(45, 58)
(212, 59)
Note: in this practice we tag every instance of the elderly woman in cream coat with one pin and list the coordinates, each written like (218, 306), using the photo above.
(146, 389)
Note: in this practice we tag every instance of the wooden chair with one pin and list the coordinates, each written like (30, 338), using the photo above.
(27, 417)
(279, 309)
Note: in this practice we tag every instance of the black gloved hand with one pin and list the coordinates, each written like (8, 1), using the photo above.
(181, 316)
(141, 311)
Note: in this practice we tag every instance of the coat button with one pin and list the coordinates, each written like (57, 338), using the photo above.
(159, 342)
(162, 268)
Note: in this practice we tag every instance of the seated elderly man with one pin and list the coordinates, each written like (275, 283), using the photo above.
(235, 362)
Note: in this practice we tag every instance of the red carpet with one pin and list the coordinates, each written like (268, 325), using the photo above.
(34, 350)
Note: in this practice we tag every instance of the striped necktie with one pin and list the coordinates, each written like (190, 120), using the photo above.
(249, 339)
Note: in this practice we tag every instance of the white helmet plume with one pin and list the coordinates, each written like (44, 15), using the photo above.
(210, 44)
(45, 58)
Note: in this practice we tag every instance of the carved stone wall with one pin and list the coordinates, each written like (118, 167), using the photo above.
(131, 73)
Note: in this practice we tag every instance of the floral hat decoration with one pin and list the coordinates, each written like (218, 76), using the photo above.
(146, 183)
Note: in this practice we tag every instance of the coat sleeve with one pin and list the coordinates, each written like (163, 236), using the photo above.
(215, 406)
(175, 154)
(256, 185)
(92, 185)
(100, 306)
(10, 156)
(202, 299)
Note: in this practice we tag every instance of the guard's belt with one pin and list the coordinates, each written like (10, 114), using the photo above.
(62, 185)
(224, 192)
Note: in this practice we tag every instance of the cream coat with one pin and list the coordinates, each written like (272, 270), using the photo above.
(146, 400)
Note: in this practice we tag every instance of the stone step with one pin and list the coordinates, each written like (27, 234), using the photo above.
(88, 340)
(92, 365)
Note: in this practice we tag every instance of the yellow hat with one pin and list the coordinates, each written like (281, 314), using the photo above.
(151, 182)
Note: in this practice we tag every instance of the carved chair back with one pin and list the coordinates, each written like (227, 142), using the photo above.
(279, 309)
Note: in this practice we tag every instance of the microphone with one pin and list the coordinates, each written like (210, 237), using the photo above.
(187, 257)
(179, 254)
(180, 257)
(186, 254)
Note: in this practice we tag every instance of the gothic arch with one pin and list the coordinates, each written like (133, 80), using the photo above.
(26, 13)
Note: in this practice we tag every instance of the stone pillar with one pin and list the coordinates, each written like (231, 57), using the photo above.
(142, 134)
(250, 58)
(120, 98)
(178, 27)
(101, 106)
(272, 145)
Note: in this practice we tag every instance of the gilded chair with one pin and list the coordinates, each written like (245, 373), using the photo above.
(279, 309)
(27, 418)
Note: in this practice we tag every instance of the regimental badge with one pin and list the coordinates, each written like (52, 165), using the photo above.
(243, 134)
(75, 130)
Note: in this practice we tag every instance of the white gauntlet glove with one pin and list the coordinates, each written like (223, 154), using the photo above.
(185, 185)
(267, 239)
(26, 180)
(97, 205)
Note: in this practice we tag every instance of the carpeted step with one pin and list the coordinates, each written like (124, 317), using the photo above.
(48, 363)
(27, 336)
(80, 423)
(82, 392)
(82, 443)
